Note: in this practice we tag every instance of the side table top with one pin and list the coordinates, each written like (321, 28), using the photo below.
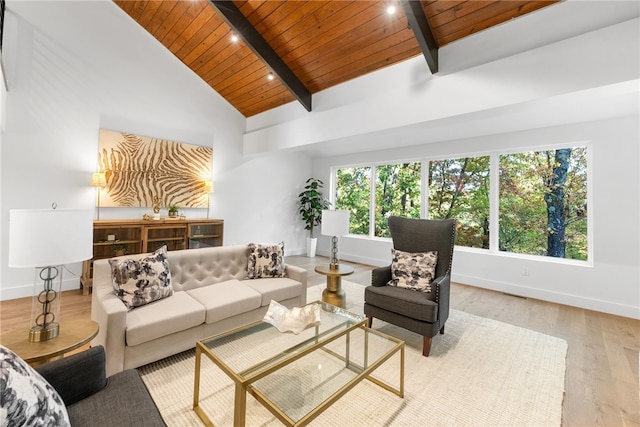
(342, 270)
(73, 334)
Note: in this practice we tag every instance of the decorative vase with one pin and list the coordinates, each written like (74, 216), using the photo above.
(311, 246)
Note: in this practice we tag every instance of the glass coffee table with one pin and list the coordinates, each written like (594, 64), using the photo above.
(297, 377)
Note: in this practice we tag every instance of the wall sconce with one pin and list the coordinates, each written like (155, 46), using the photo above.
(208, 187)
(334, 223)
(46, 239)
(99, 180)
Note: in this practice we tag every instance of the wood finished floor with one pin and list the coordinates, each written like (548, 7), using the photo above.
(601, 380)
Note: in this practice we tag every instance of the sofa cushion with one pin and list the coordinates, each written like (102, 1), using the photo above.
(27, 398)
(163, 317)
(265, 260)
(140, 280)
(226, 299)
(277, 289)
(413, 271)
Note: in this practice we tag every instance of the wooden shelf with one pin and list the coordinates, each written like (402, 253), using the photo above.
(113, 238)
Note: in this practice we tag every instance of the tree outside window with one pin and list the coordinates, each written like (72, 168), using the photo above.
(543, 203)
(459, 189)
(397, 194)
(542, 198)
(353, 193)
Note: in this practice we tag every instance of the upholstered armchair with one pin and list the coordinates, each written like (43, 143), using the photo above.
(424, 313)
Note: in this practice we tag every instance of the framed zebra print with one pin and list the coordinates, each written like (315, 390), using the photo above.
(139, 168)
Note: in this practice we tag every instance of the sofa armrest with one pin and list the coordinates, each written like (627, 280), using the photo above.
(299, 274)
(78, 376)
(381, 276)
(111, 315)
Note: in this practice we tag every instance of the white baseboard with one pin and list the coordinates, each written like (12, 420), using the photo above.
(546, 295)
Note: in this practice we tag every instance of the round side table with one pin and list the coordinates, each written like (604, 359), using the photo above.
(73, 334)
(334, 294)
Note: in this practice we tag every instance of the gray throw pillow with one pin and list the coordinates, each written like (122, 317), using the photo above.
(413, 271)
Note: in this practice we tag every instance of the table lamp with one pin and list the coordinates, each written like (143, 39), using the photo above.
(334, 223)
(99, 180)
(46, 239)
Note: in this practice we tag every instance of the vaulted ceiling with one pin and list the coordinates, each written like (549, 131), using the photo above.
(308, 46)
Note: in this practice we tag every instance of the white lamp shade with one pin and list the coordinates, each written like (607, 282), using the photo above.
(45, 237)
(335, 223)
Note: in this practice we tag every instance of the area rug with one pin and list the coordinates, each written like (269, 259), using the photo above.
(481, 372)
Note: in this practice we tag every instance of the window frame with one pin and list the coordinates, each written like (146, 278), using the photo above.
(494, 202)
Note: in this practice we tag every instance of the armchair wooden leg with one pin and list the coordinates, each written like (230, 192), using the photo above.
(426, 346)
(442, 330)
(369, 321)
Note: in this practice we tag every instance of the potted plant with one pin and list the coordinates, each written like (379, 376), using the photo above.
(312, 202)
(119, 250)
(173, 211)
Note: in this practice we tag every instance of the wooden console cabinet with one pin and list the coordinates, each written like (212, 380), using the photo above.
(113, 238)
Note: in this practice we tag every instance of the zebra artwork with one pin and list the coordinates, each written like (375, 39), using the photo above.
(138, 169)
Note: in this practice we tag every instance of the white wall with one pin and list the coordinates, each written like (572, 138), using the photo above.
(611, 284)
(76, 67)
(554, 93)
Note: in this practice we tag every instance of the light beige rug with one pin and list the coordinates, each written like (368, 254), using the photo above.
(480, 373)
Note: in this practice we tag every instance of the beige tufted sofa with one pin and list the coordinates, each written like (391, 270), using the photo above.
(212, 294)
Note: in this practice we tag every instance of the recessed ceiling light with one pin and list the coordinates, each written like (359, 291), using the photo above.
(234, 38)
(270, 76)
(391, 10)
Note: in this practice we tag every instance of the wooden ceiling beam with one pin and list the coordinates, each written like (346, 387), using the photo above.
(420, 26)
(243, 28)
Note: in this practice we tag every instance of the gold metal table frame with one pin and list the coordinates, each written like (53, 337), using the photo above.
(316, 344)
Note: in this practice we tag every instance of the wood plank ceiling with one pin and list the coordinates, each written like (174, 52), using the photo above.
(323, 43)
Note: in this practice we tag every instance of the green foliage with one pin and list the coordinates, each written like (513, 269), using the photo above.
(353, 193)
(459, 188)
(397, 194)
(311, 203)
(529, 218)
(542, 199)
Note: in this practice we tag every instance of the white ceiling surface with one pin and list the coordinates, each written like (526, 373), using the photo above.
(546, 26)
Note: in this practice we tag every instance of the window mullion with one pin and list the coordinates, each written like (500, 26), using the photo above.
(494, 202)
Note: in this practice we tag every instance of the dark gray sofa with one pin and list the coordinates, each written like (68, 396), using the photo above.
(92, 399)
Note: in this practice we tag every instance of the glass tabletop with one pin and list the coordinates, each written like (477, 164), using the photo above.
(253, 349)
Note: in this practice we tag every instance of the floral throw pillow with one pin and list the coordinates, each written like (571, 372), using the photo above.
(413, 271)
(139, 281)
(27, 398)
(266, 261)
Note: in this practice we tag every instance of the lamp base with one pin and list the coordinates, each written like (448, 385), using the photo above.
(44, 333)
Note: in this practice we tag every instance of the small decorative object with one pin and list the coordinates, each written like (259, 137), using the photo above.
(119, 250)
(335, 223)
(156, 207)
(295, 320)
(173, 211)
(312, 202)
(46, 239)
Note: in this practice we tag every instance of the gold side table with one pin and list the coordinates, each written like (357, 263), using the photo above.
(73, 334)
(333, 294)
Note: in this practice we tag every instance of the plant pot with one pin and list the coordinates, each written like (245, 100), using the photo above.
(312, 242)
(173, 214)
